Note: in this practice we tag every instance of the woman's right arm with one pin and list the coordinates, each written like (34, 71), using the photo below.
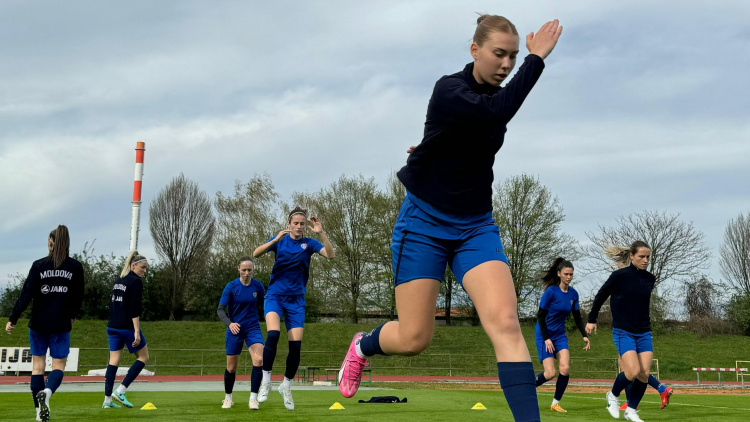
(260, 250)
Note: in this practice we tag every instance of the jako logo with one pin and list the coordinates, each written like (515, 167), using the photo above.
(54, 289)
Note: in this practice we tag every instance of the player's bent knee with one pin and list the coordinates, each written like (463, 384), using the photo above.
(549, 375)
(415, 346)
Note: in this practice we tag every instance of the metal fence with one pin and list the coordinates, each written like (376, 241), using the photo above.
(213, 361)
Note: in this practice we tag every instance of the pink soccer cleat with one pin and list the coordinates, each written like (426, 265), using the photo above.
(350, 373)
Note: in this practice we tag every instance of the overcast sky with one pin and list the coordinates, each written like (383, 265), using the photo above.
(642, 106)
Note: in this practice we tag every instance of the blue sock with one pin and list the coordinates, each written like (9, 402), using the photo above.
(109, 379)
(37, 385)
(540, 379)
(518, 384)
(562, 384)
(652, 381)
(627, 391)
(370, 342)
(636, 393)
(255, 379)
(54, 379)
(229, 378)
(292, 359)
(269, 349)
(620, 383)
(133, 372)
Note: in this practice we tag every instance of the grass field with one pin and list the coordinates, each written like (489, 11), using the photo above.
(423, 405)
(465, 349)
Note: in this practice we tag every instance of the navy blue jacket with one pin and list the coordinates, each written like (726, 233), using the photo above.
(57, 295)
(451, 169)
(630, 289)
(125, 302)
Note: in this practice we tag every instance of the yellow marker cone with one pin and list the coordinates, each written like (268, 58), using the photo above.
(336, 406)
(479, 406)
(148, 406)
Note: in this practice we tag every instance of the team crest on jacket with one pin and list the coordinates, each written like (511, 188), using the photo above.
(571, 302)
(304, 246)
(255, 294)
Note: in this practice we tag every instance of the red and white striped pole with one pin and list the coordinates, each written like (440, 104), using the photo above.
(140, 152)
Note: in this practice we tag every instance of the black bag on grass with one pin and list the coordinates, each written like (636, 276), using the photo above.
(384, 399)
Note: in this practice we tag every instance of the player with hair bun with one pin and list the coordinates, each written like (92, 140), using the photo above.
(286, 294)
(446, 217)
(238, 310)
(54, 288)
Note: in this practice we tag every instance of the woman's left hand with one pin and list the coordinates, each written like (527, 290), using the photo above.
(588, 343)
(317, 226)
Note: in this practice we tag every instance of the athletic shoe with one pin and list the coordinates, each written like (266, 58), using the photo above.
(632, 415)
(263, 392)
(556, 408)
(286, 393)
(122, 399)
(665, 397)
(613, 406)
(253, 405)
(227, 404)
(41, 397)
(350, 373)
(37, 414)
(625, 406)
(110, 405)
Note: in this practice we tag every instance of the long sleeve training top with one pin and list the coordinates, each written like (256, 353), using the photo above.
(451, 168)
(630, 289)
(57, 295)
(125, 302)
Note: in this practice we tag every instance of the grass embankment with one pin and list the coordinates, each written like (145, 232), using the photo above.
(454, 350)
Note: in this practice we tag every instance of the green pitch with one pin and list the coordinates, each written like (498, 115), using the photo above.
(423, 405)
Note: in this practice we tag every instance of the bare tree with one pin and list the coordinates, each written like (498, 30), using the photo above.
(701, 299)
(347, 211)
(529, 218)
(182, 225)
(678, 250)
(735, 254)
(246, 219)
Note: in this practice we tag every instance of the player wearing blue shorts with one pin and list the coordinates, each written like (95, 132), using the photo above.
(621, 257)
(558, 301)
(238, 310)
(124, 328)
(446, 217)
(286, 294)
(630, 288)
(54, 288)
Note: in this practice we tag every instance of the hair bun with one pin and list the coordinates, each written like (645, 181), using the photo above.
(481, 18)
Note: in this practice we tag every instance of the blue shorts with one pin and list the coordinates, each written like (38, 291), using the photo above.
(289, 307)
(626, 341)
(559, 340)
(234, 342)
(121, 338)
(58, 344)
(423, 244)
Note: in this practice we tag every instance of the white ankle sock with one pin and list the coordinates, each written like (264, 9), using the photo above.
(228, 396)
(253, 396)
(358, 349)
(266, 377)
(287, 383)
(121, 389)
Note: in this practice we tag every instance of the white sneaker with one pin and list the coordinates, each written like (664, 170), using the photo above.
(613, 405)
(632, 415)
(227, 404)
(253, 405)
(286, 393)
(265, 388)
(37, 414)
